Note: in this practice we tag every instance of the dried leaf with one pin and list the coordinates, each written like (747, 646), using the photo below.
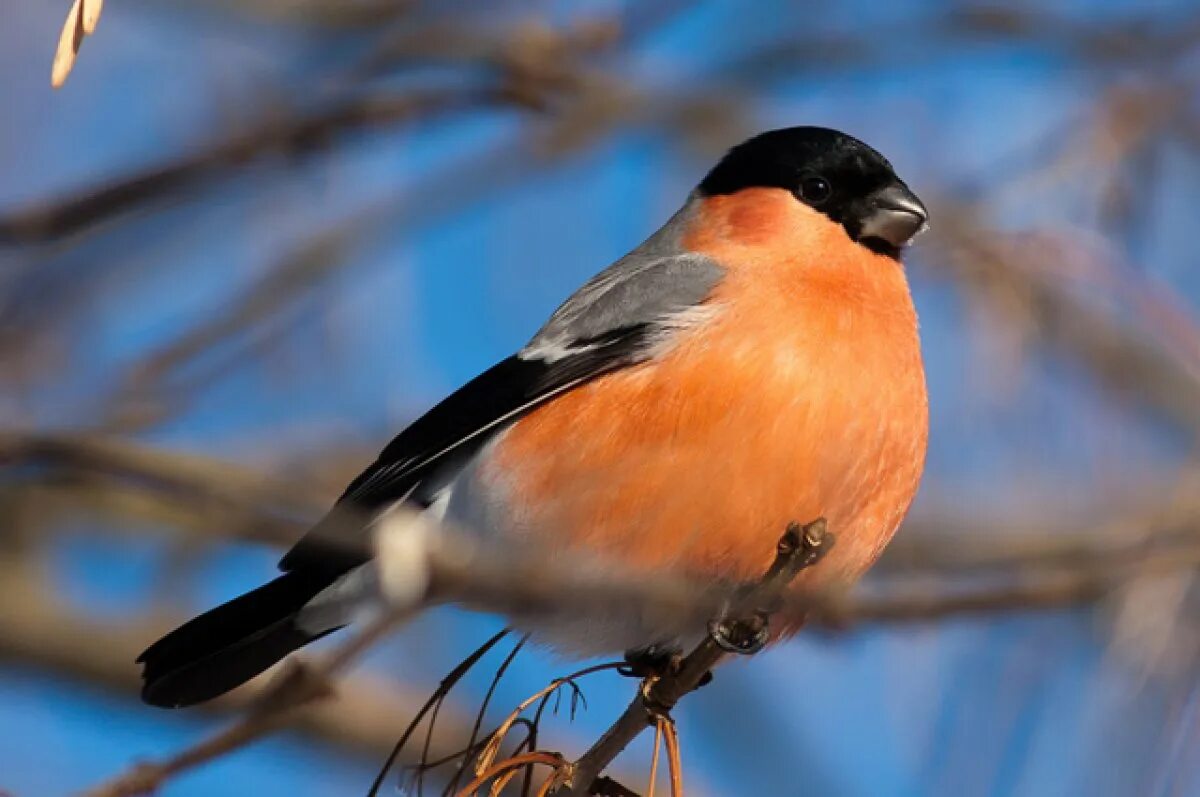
(91, 15)
(68, 46)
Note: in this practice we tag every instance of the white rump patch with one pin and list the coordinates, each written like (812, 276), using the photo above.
(402, 537)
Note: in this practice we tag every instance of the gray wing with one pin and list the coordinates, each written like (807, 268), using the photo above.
(640, 290)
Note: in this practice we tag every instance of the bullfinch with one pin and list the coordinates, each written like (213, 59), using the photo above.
(754, 363)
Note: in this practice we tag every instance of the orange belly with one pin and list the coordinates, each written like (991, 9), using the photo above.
(801, 396)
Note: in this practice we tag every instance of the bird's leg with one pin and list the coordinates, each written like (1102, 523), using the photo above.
(656, 661)
(799, 548)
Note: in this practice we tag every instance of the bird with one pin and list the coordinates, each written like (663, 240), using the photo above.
(754, 363)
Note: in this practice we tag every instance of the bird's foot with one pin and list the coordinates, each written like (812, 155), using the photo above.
(742, 638)
(652, 661)
(656, 661)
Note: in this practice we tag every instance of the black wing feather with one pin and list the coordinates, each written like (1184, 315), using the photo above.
(454, 430)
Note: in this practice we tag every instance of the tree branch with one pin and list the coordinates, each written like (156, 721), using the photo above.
(38, 629)
(297, 136)
(296, 686)
(799, 548)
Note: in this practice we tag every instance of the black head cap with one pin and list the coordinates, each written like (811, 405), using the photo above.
(832, 172)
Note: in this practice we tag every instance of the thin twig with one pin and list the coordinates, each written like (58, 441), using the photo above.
(654, 756)
(674, 765)
(483, 707)
(443, 689)
(463, 751)
(515, 763)
(536, 724)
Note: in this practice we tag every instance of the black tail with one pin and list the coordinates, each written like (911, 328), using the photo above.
(229, 645)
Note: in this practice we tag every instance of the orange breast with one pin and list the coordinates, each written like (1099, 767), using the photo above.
(801, 396)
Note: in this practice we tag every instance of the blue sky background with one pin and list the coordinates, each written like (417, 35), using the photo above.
(430, 291)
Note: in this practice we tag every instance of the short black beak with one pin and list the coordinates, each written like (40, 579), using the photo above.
(894, 215)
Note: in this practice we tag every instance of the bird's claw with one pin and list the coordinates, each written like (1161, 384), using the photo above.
(655, 662)
(737, 637)
(652, 661)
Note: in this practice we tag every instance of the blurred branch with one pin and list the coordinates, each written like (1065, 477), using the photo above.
(275, 511)
(520, 79)
(529, 66)
(1137, 40)
(148, 395)
(38, 628)
(1130, 364)
(462, 570)
(323, 15)
(294, 687)
(1163, 515)
(306, 133)
(260, 509)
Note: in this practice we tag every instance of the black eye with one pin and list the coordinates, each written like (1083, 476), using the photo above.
(815, 190)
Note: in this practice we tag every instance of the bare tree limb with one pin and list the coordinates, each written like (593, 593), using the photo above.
(195, 481)
(38, 629)
(302, 135)
(293, 688)
(1130, 364)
